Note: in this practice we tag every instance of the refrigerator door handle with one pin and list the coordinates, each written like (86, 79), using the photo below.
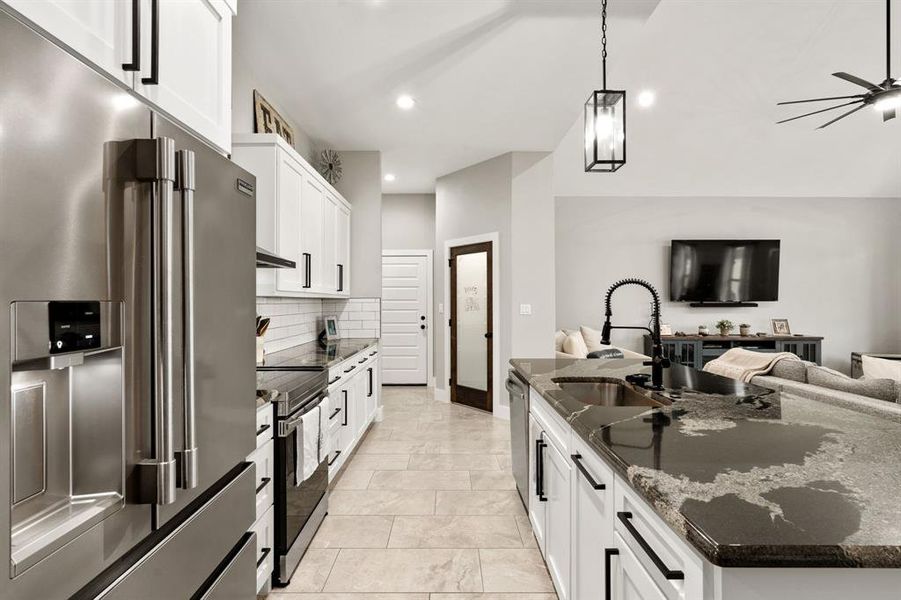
(155, 163)
(184, 173)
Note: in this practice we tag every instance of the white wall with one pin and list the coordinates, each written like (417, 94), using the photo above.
(361, 184)
(532, 258)
(408, 221)
(839, 275)
(244, 82)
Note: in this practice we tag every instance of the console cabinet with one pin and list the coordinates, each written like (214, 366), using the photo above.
(354, 393)
(300, 216)
(189, 77)
(696, 351)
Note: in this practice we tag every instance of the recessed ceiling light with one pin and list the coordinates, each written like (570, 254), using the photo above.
(405, 102)
(646, 99)
(389, 177)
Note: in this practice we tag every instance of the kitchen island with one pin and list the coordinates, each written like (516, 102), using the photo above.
(710, 478)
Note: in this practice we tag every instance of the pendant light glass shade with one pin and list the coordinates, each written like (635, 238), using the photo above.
(605, 131)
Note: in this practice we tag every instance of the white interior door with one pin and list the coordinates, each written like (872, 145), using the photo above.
(405, 304)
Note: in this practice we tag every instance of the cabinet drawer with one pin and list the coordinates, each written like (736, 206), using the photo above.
(556, 428)
(265, 556)
(265, 424)
(675, 567)
(264, 458)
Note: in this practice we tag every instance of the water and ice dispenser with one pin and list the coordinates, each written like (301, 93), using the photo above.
(67, 428)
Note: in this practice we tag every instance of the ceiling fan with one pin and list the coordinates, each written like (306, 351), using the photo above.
(884, 97)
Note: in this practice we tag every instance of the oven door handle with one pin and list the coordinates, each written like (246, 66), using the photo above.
(286, 427)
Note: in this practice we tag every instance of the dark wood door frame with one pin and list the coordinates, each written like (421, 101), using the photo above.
(461, 394)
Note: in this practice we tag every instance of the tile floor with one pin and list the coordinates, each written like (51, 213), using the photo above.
(425, 510)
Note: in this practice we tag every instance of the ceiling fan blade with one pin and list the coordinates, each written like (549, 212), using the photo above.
(820, 99)
(840, 117)
(816, 112)
(857, 81)
(888, 115)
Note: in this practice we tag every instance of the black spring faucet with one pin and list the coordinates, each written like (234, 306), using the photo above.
(658, 362)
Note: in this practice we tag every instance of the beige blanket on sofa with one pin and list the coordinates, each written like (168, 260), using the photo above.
(744, 365)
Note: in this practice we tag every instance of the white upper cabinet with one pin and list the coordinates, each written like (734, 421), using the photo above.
(190, 75)
(99, 30)
(300, 217)
(179, 60)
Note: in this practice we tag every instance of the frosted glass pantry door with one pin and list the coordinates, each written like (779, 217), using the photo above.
(472, 320)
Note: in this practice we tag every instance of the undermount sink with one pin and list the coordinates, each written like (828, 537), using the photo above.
(606, 394)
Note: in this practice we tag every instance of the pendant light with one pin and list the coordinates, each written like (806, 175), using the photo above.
(605, 119)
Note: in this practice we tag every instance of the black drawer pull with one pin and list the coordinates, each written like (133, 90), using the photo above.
(577, 458)
(263, 483)
(337, 377)
(362, 360)
(350, 368)
(373, 353)
(609, 553)
(263, 556)
(334, 414)
(624, 518)
(263, 428)
(337, 454)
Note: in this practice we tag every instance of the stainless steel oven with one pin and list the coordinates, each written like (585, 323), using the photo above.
(519, 433)
(300, 504)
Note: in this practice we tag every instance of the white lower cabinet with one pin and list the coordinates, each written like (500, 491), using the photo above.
(354, 396)
(628, 578)
(592, 520)
(550, 504)
(265, 530)
(263, 459)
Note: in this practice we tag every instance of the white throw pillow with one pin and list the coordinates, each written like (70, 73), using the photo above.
(559, 337)
(575, 345)
(881, 368)
(592, 339)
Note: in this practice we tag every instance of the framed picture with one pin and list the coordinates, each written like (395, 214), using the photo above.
(331, 328)
(780, 327)
(267, 120)
(666, 329)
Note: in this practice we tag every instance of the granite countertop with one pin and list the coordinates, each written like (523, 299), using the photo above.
(315, 355)
(748, 476)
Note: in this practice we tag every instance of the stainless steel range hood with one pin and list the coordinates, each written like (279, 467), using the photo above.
(268, 260)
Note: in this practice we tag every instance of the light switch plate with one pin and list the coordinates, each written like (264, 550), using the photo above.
(525, 309)
(441, 308)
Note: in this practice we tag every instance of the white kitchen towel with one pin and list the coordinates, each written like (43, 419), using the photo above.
(307, 446)
(744, 365)
(325, 446)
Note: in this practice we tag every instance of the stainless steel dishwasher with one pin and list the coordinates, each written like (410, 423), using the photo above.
(519, 433)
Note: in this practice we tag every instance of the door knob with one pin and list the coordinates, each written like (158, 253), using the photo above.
(488, 336)
(422, 317)
(422, 326)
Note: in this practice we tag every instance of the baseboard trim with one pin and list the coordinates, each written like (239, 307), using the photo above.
(442, 394)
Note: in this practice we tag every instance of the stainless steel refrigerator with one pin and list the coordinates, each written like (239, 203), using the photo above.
(127, 264)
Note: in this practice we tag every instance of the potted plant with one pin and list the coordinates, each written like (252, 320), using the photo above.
(725, 326)
(744, 329)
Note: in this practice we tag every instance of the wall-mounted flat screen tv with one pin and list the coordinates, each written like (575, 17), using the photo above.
(724, 271)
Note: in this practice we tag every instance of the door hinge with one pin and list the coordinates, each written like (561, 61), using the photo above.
(450, 323)
(450, 382)
(450, 262)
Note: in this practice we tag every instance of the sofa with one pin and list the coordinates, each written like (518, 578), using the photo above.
(579, 343)
(807, 380)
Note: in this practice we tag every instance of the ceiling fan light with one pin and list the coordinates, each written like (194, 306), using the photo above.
(889, 102)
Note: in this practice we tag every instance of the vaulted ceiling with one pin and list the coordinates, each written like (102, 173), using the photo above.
(491, 76)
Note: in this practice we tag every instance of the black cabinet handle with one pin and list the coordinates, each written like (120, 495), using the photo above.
(337, 454)
(609, 553)
(154, 78)
(362, 360)
(263, 428)
(344, 424)
(337, 377)
(335, 413)
(350, 368)
(369, 395)
(308, 268)
(373, 353)
(577, 458)
(263, 482)
(340, 278)
(263, 556)
(135, 64)
(624, 518)
(539, 469)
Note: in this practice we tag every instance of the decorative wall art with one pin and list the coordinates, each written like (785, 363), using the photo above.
(267, 120)
(330, 166)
